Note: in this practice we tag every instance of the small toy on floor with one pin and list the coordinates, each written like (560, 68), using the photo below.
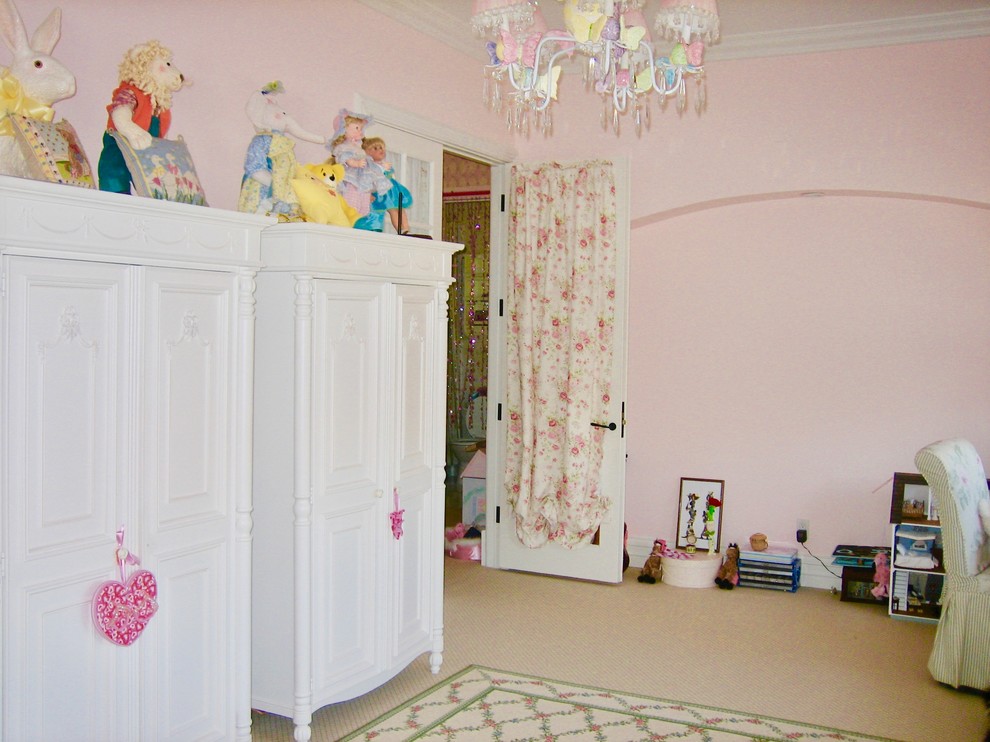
(727, 576)
(652, 567)
(881, 576)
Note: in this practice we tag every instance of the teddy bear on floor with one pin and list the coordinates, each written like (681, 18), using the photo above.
(727, 576)
(653, 566)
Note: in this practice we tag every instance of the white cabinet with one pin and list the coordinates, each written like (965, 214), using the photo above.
(349, 413)
(127, 330)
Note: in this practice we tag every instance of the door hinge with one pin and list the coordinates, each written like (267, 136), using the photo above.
(502, 207)
(498, 412)
(501, 307)
(498, 513)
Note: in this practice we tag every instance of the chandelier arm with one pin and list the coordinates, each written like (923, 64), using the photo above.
(546, 95)
(620, 98)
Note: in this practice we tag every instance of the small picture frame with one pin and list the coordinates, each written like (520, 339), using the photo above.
(858, 584)
(699, 514)
(911, 500)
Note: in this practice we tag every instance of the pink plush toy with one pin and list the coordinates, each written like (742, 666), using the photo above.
(881, 576)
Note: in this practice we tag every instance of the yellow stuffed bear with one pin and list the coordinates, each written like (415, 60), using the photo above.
(316, 187)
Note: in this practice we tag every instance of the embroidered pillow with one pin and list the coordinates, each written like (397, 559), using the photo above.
(52, 151)
(164, 170)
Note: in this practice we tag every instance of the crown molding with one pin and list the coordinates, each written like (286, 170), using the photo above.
(837, 37)
(452, 30)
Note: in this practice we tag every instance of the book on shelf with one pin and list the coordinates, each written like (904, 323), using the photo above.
(788, 580)
(847, 555)
(767, 568)
(782, 586)
(787, 577)
(774, 553)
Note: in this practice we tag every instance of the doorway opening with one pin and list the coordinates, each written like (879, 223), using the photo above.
(466, 220)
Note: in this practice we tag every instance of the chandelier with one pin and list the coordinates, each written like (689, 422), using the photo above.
(611, 40)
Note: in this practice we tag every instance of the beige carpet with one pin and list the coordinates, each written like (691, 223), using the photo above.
(804, 656)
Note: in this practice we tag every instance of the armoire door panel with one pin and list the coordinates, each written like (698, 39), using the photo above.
(68, 675)
(347, 390)
(65, 421)
(411, 567)
(183, 680)
(415, 352)
(187, 339)
(348, 596)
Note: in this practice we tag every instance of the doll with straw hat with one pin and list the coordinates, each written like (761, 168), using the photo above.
(363, 177)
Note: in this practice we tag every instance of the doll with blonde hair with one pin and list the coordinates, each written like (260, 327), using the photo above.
(390, 201)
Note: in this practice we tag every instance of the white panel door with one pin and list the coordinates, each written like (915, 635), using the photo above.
(418, 164)
(348, 571)
(67, 425)
(601, 562)
(186, 498)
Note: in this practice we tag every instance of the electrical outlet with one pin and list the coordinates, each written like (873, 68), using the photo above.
(802, 530)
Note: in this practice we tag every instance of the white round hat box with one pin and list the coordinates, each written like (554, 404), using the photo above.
(698, 570)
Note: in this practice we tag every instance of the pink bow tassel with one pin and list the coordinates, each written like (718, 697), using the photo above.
(396, 516)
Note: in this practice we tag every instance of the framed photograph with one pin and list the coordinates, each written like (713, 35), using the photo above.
(910, 500)
(699, 514)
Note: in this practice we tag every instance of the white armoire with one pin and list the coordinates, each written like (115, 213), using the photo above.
(350, 387)
(127, 336)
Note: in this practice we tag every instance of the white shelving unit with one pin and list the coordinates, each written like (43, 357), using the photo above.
(916, 570)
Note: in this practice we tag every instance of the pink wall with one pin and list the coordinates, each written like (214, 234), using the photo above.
(800, 349)
(324, 51)
(803, 349)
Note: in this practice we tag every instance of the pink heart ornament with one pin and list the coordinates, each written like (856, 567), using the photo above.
(122, 610)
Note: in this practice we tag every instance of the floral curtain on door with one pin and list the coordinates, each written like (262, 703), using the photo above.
(561, 313)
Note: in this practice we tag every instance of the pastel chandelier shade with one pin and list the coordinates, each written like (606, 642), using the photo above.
(685, 20)
(610, 40)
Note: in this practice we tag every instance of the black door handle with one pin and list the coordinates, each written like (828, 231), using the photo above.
(610, 426)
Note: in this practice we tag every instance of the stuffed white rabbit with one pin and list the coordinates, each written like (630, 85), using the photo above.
(32, 83)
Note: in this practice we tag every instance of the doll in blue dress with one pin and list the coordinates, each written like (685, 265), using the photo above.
(387, 202)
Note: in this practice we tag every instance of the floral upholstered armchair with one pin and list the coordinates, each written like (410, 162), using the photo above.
(961, 655)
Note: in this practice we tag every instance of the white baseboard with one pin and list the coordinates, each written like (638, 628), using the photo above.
(813, 574)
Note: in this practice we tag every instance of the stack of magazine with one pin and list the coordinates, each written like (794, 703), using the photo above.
(774, 568)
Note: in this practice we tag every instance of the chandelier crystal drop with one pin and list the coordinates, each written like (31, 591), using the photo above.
(527, 59)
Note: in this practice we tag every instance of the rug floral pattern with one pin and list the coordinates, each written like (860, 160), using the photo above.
(481, 703)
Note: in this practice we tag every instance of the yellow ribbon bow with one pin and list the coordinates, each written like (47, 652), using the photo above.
(13, 100)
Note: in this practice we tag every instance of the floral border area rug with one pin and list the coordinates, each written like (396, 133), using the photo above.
(480, 703)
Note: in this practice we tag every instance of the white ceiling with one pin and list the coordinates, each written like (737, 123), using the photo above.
(750, 28)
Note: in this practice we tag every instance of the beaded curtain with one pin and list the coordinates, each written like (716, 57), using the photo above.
(467, 222)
